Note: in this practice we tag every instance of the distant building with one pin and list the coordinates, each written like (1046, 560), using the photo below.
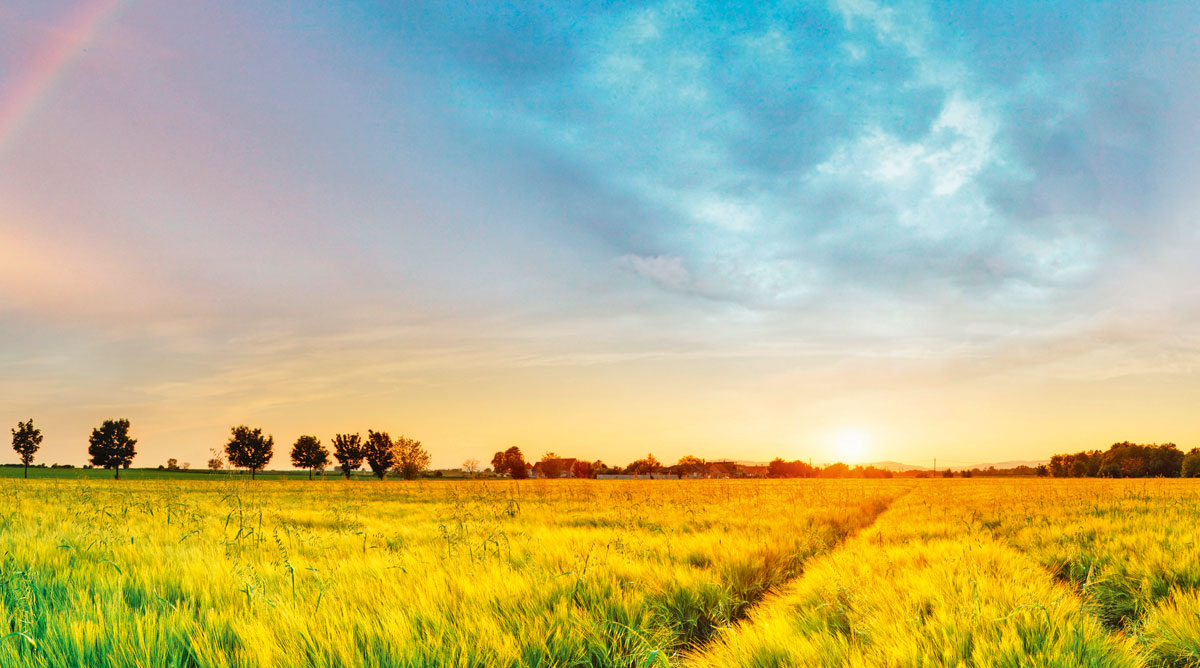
(721, 469)
(751, 471)
(566, 467)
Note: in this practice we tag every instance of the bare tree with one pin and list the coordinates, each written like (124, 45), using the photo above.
(471, 467)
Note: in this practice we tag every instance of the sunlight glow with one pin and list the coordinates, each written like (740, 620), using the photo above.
(851, 445)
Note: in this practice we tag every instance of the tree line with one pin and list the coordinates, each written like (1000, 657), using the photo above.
(1128, 460)
(111, 447)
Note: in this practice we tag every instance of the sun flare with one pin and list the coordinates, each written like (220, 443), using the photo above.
(851, 445)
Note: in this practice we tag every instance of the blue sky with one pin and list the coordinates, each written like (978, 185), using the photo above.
(608, 227)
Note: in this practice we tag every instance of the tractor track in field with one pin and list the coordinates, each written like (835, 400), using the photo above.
(756, 601)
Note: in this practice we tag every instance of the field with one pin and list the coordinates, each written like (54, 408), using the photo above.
(225, 572)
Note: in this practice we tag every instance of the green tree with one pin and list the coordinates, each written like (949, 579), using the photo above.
(348, 450)
(551, 466)
(411, 458)
(1191, 463)
(110, 446)
(380, 452)
(249, 449)
(308, 453)
(26, 439)
(510, 462)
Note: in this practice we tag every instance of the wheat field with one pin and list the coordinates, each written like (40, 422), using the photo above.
(599, 573)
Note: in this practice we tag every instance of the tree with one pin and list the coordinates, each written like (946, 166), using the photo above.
(643, 466)
(411, 458)
(380, 452)
(172, 464)
(471, 467)
(1191, 464)
(249, 449)
(510, 462)
(216, 464)
(308, 453)
(110, 446)
(26, 439)
(348, 450)
(582, 469)
(551, 466)
(793, 469)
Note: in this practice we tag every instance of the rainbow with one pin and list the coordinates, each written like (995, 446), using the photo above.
(32, 88)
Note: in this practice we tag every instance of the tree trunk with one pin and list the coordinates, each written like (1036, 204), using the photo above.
(310, 474)
(26, 470)
(117, 468)
(252, 472)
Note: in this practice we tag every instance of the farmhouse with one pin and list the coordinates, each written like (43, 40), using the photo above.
(565, 466)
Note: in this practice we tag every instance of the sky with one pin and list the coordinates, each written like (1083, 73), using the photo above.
(832, 230)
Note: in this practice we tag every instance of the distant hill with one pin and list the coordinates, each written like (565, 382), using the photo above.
(899, 467)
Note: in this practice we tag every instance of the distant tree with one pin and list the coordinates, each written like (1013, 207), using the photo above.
(1191, 464)
(600, 468)
(411, 458)
(511, 462)
(308, 453)
(644, 466)
(216, 464)
(380, 452)
(26, 439)
(172, 464)
(689, 464)
(1042, 471)
(551, 466)
(348, 450)
(778, 468)
(948, 473)
(249, 449)
(471, 467)
(111, 447)
(838, 470)
(582, 469)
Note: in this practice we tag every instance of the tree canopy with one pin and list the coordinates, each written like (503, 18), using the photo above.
(110, 446)
(249, 448)
(411, 458)
(308, 453)
(380, 452)
(510, 462)
(26, 439)
(348, 451)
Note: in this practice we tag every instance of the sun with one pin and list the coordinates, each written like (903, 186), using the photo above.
(851, 445)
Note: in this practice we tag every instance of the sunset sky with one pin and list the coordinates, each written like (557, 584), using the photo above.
(844, 230)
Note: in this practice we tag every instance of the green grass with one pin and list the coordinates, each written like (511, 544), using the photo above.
(79, 473)
(213, 570)
(229, 572)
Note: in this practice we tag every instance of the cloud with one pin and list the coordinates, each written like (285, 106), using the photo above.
(667, 271)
